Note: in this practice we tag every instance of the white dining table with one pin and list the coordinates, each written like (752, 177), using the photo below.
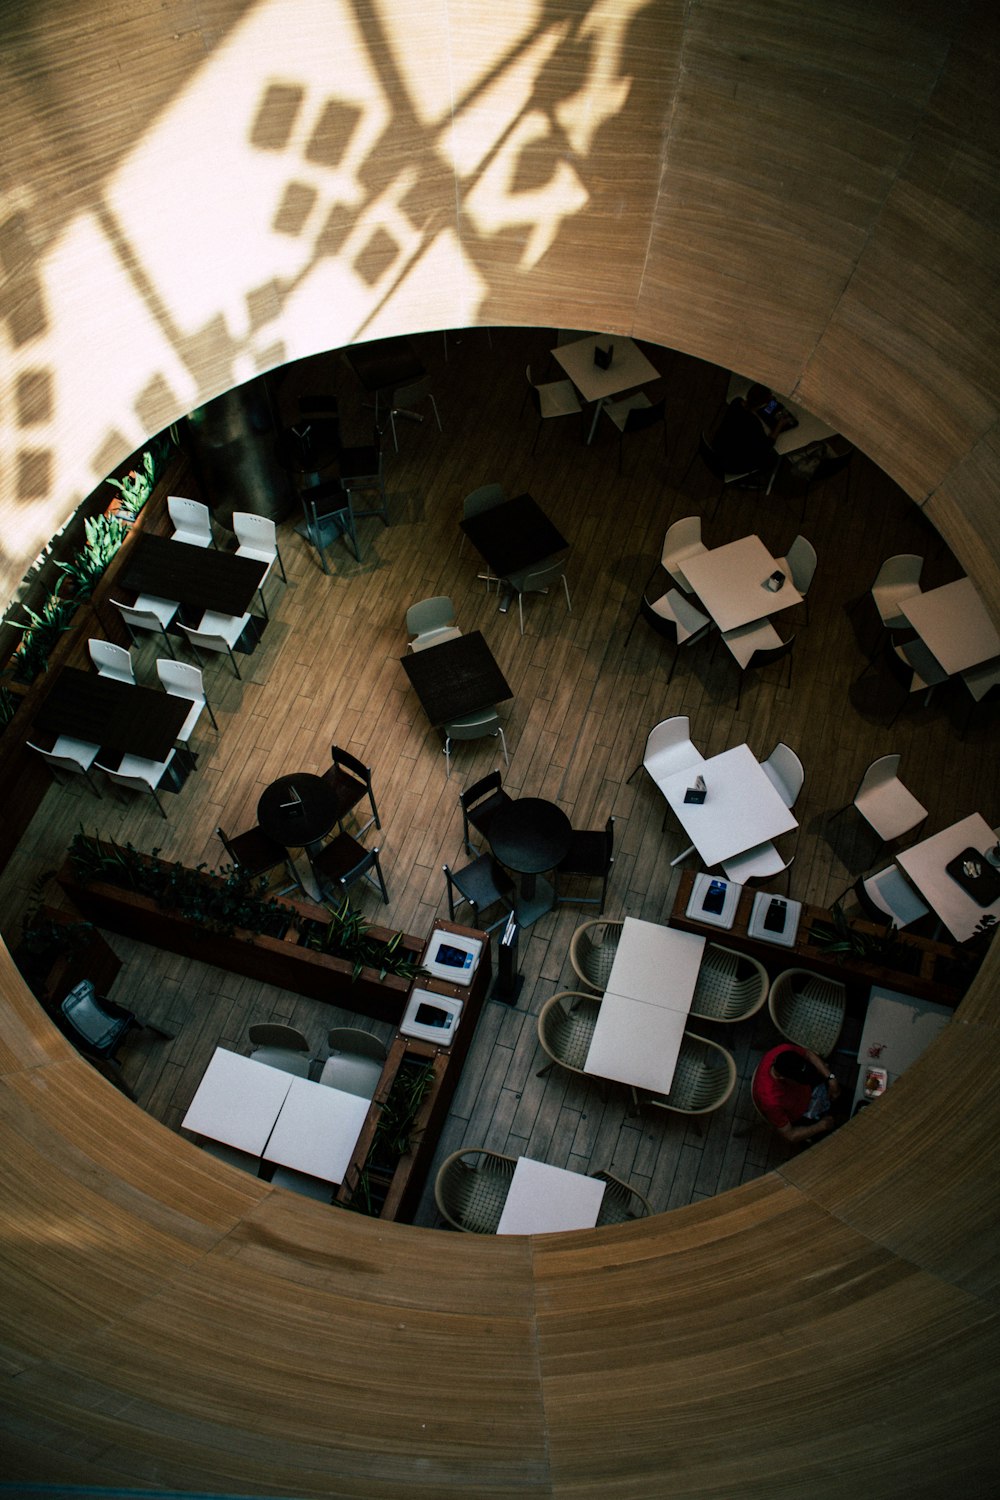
(811, 429)
(543, 1199)
(729, 581)
(237, 1101)
(741, 808)
(629, 368)
(953, 624)
(317, 1129)
(897, 1029)
(640, 1025)
(924, 865)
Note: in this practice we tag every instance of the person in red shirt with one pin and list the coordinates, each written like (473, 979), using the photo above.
(793, 1088)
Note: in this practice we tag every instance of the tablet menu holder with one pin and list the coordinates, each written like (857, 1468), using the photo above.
(698, 792)
(976, 875)
(603, 357)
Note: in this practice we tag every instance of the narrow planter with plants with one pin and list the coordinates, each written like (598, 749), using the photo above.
(226, 918)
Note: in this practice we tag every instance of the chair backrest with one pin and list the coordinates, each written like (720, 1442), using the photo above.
(808, 1009)
(592, 951)
(785, 772)
(65, 762)
(345, 761)
(190, 516)
(135, 781)
(478, 728)
(255, 531)
(534, 580)
(566, 1024)
(905, 567)
(271, 1034)
(111, 660)
(682, 534)
(640, 417)
(666, 734)
(730, 987)
(487, 497)
(766, 654)
(801, 559)
(208, 640)
(886, 768)
(137, 619)
(479, 791)
(471, 1188)
(94, 1025)
(430, 614)
(704, 1077)
(353, 1039)
(181, 679)
(710, 458)
(621, 1201)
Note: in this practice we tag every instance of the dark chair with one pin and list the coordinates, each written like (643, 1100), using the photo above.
(635, 414)
(351, 780)
(343, 861)
(97, 1027)
(256, 852)
(482, 884)
(591, 853)
(479, 802)
(714, 465)
(751, 658)
(671, 614)
(362, 471)
(328, 514)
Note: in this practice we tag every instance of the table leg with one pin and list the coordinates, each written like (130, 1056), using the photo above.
(593, 425)
(535, 897)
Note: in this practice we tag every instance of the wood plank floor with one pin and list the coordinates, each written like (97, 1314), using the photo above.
(327, 671)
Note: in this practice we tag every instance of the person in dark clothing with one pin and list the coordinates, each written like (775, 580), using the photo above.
(744, 442)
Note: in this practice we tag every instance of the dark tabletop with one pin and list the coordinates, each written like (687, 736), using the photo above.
(384, 364)
(303, 822)
(514, 535)
(197, 578)
(118, 716)
(457, 678)
(530, 835)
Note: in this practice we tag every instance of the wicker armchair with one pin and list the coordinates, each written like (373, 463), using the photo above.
(730, 987)
(808, 1009)
(471, 1189)
(704, 1078)
(621, 1202)
(592, 951)
(566, 1025)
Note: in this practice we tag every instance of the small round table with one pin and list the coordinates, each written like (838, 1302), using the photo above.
(530, 835)
(298, 811)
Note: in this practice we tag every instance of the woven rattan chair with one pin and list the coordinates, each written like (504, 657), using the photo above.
(566, 1025)
(704, 1078)
(592, 951)
(808, 1009)
(471, 1189)
(621, 1201)
(730, 987)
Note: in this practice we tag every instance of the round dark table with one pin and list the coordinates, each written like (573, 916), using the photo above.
(530, 835)
(297, 810)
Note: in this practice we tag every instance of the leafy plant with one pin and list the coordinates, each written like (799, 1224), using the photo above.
(8, 704)
(43, 938)
(40, 633)
(395, 1129)
(135, 488)
(104, 535)
(840, 940)
(347, 936)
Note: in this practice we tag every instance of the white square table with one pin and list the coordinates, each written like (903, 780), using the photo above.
(729, 581)
(902, 1027)
(953, 624)
(741, 807)
(543, 1199)
(810, 429)
(640, 1027)
(237, 1101)
(924, 864)
(629, 367)
(317, 1130)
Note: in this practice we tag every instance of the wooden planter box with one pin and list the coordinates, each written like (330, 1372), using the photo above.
(275, 960)
(93, 960)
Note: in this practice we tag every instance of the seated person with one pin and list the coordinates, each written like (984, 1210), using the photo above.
(744, 442)
(792, 1088)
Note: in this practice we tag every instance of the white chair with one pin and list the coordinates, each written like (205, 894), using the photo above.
(669, 749)
(111, 660)
(73, 756)
(407, 397)
(682, 540)
(216, 632)
(800, 564)
(557, 398)
(762, 862)
(148, 613)
(884, 802)
(192, 521)
(784, 771)
(536, 580)
(676, 619)
(918, 670)
(258, 538)
(139, 775)
(897, 579)
(355, 1063)
(476, 726)
(279, 1046)
(888, 893)
(431, 621)
(181, 680)
(757, 645)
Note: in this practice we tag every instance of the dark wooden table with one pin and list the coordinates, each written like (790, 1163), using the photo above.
(530, 835)
(297, 810)
(127, 719)
(197, 578)
(514, 535)
(457, 678)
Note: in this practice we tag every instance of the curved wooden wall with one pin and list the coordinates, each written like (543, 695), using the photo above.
(806, 193)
